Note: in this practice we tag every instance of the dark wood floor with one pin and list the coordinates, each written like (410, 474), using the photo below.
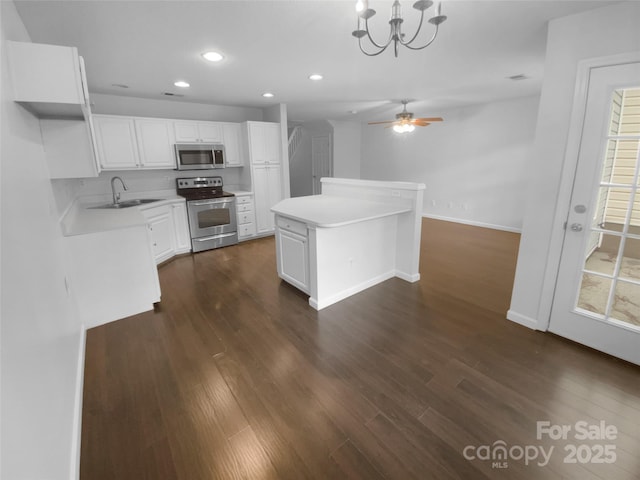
(235, 376)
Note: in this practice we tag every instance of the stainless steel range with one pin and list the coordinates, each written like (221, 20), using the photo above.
(211, 211)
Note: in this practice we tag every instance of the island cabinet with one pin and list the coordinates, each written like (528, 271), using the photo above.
(354, 235)
(292, 252)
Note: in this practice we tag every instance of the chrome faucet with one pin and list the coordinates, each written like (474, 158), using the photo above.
(116, 196)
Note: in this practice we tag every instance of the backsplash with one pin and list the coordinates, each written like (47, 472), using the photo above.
(67, 190)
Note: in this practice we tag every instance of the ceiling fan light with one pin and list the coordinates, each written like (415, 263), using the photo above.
(398, 128)
(409, 128)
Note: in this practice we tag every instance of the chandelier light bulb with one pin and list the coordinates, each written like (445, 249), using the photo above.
(359, 6)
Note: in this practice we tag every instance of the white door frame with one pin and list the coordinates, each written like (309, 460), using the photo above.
(570, 165)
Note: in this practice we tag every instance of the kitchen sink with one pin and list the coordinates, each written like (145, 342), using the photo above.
(129, 203)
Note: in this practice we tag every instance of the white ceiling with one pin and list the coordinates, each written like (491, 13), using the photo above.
(275, 45)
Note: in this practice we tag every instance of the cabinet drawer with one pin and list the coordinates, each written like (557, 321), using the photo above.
(246, 230)
(244, 199)
(245, 207)
(246, 217)
(292, 225)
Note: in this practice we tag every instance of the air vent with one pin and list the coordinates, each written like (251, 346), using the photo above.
(520, 76)
(169, 94)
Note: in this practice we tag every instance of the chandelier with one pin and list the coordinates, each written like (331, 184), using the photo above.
(395, 35)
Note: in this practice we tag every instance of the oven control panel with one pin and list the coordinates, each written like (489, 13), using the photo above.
(199, 182)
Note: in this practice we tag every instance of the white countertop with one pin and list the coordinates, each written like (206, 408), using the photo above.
(236, 192)
(330, 211)
(81, 219)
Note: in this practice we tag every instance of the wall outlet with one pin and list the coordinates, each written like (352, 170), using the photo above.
(395, 193)
(433, 203)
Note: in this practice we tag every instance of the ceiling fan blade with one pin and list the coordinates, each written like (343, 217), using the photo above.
(430, 119)
(378, 123)
(420, 123)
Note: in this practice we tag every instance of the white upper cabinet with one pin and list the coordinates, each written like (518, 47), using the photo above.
(232, 145)
(196, 132)
(48, 78)
(116, 141)
(155, 142)
(128, 143)
(50, 81)
(264, 142)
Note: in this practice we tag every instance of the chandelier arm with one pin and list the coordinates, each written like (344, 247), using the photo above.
(425, 45)
(366, 27)
(382, 49)
(406, 44)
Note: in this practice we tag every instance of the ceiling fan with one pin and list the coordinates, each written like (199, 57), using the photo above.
(405, 123)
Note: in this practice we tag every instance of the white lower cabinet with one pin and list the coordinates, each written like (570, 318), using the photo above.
(246, 216)
(159, 221)
(169, 230)
(267, 187)
(292, 244)
(181, 227)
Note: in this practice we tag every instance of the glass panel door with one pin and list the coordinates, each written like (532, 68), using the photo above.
(610, 287)
(597, 294)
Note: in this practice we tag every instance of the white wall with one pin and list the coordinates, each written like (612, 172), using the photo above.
(606, 31)
(347, 143)
(472, 163)
(40, 333)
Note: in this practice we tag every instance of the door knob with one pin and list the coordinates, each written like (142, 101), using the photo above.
(576, 227)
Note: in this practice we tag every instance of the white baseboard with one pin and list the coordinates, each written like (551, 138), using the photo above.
(473, 223)
(77, 409)
(319, 305)
(407, 277)
(523, 320)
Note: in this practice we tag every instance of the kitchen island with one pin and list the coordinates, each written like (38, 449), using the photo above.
(354, 235)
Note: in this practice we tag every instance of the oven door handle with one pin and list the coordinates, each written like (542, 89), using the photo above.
(210, 202)
(206, 239)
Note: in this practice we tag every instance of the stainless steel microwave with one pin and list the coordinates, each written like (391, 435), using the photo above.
(199, 156)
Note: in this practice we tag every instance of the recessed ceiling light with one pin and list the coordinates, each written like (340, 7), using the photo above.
(268, 95)
(315, 76)
(181, 84)
(213, 56)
